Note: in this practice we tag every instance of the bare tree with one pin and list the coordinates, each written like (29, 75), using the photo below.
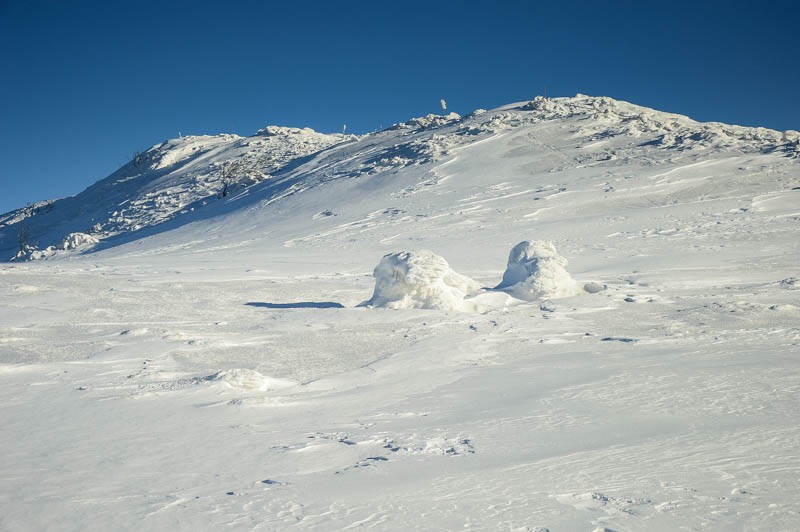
(242, 172)
(227, 174)
(24, 235)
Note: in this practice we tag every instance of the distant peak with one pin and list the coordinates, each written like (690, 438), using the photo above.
(672, 130)
(581, 104)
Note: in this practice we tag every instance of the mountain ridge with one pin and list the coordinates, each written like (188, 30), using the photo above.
(180, 177)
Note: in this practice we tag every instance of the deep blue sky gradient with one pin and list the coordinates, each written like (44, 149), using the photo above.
(84, 85)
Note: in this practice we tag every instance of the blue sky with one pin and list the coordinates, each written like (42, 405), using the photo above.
(86, 84)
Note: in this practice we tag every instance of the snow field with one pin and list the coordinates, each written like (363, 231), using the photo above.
(510, 419)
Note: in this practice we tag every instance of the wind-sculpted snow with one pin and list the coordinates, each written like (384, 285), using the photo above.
(424, 280)
(77, 240)
(536, 271)
(420, 279)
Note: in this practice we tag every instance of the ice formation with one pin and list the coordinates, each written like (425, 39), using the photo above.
(420, 279)
(77, 240)
(535, 270)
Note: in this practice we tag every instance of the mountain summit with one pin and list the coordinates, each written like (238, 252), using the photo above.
(607, 145)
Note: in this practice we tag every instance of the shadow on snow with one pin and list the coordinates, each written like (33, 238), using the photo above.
(298, 304)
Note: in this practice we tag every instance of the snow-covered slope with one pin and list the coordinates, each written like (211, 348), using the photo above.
(162, 183)
(176, 180)
(216, 369)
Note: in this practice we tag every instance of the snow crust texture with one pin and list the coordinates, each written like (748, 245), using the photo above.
(419, 279)
(536, 271)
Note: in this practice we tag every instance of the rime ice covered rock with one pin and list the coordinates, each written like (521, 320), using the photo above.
(420, 279)
(428, 121)
(77, 240)
(535, 270)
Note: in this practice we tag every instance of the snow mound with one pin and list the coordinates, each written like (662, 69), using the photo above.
(34, 253)
(420, 279)
(535, 271)
(248, 379)
(77, 240)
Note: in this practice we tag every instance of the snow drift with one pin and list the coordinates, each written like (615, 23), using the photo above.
(535, 270)
(420, 279)
(248, 379)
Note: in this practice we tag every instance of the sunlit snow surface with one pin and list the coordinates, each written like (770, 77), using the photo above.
(215, 372)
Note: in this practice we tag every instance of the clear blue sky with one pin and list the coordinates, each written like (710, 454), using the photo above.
(84, 85)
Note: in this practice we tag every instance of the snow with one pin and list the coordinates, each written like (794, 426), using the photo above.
(78, 240)
(429, 121)
(167, 182)
(535, 271)
(214, 370)
(248, 379)
(419, 279)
